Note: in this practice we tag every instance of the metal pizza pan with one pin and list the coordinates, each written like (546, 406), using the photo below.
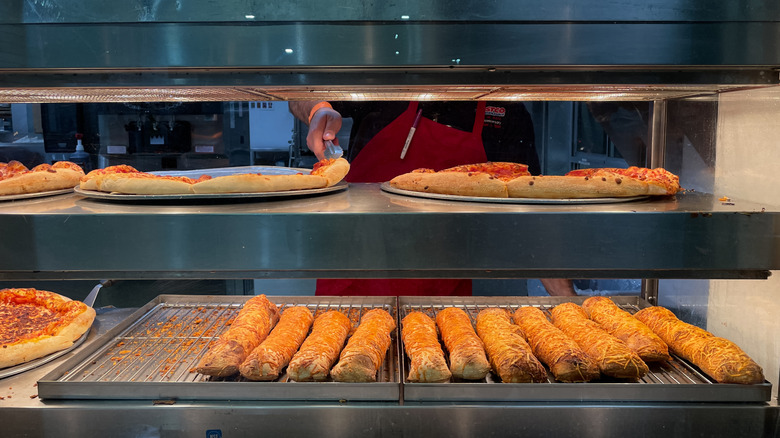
(546, 201)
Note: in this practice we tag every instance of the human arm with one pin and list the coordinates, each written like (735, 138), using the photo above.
(559, 287)
(324, 124)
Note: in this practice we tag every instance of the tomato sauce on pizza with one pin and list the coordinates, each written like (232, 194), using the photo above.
(657, 176)
(34, 323)
(499, 179)
(17, 179)
(501, 170)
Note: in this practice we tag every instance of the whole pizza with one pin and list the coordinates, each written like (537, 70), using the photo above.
(34, 323)
(512, 180)
(17, 179)
(125, 179)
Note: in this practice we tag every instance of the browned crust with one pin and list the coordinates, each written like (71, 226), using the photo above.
(624, 326)
(612, 356)
(509, 353)
(467, 352)
(321, 348)
(333, 172)
(607, 185)
(421, 343)
(25, 350)
(256, 183)
(252, 325)
(363, 356)
(451, 183)
(566, 360)
(142, 184)
(269, 358)
(720, 358)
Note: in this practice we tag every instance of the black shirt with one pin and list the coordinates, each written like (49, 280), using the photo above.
(507, 135)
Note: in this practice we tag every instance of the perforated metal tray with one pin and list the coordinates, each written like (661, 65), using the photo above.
(153, 353)
(674, 381)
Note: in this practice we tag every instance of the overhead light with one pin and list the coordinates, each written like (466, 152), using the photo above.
(404, 17)
(249, 17)
(288, 50)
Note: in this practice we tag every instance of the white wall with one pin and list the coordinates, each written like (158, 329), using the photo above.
(748, 155)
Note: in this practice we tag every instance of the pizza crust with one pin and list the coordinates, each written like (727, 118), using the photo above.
(604, 184)
(93, 179)
(333, 172)
(142, 184)
(452, 183)
(575, 187)
(257, 183)
(34, 348)
(129, 181)
(40, 181)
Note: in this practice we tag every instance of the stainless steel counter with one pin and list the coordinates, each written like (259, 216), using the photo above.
(23, 414)
(365, 232)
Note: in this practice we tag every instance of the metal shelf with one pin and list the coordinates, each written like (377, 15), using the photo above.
(365, 232)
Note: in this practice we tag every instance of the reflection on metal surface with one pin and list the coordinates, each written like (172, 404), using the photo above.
(34, 195)
(90, 11)
(692, 236)
(367, 92)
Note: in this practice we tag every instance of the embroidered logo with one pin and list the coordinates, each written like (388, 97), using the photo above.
(497, 111)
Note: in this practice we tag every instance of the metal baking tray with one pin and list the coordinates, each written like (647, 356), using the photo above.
(674, 381)
(152, 355)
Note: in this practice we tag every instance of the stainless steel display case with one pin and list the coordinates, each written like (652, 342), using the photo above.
(92, 51)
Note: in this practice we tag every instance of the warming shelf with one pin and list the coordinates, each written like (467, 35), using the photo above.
(365, 232)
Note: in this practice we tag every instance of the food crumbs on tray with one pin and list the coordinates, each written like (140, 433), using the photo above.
(34, 396)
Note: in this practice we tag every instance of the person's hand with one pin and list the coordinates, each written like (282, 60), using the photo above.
(324, 125)
(559, 287)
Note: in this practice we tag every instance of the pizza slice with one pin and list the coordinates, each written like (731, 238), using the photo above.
(325, 173)
(17, 179)
(661, 181)
(34, 323)
(93, 179)
(482, 179)
(127, 180)
(502, 180)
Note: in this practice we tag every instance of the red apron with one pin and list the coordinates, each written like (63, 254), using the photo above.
(434, 146)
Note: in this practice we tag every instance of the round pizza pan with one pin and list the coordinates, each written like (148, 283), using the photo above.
(548, 201)
(121, 197)
(35, 195)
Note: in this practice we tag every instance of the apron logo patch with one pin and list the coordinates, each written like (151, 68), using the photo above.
(497, 111)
